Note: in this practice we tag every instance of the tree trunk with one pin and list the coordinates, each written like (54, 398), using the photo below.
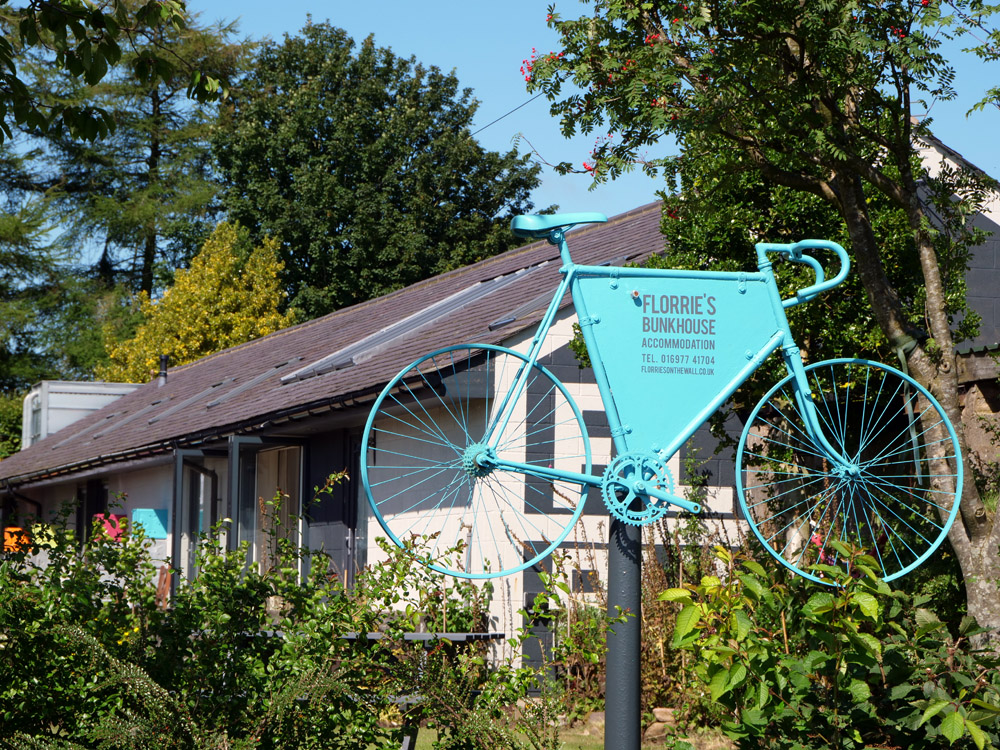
(150, 234)
(974, 536)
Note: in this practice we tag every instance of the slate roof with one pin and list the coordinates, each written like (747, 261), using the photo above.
(245, 388)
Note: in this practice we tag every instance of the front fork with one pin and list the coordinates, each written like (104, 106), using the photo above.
(807, 408)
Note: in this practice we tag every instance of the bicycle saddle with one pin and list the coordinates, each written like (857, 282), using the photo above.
(539, 226)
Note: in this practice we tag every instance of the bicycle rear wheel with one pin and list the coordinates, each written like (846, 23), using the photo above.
(424, 485)
(896, 497)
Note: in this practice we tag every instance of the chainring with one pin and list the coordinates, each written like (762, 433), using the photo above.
(623, 483)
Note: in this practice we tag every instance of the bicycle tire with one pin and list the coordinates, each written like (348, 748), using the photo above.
(897, 502)
(420, 482)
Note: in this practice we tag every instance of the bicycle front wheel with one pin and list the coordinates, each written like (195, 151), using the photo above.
(894, 496)
(425, 486)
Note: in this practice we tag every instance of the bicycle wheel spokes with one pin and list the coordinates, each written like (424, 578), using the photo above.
(420, 470)
(895, 497)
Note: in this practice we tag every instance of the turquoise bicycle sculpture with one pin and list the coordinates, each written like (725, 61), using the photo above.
(482, 448)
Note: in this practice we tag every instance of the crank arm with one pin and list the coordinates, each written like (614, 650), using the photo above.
(673, 500)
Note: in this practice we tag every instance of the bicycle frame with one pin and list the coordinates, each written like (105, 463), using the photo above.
(687, 339)
(708, 311)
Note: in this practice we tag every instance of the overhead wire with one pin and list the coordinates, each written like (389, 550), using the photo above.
(540, 93)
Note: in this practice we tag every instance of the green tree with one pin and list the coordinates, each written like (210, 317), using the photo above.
(714, 213)
(231, 294)
(85, 40)
(815, 97)
(361, 164)
(142, 196)
(47, 307)
(52, 314)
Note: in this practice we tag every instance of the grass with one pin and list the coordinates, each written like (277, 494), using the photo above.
(702, 740)
(571, 741)
(990, 499)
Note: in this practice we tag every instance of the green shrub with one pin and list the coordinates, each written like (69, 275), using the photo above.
(579, 624)
(856, 665)
(243, 656)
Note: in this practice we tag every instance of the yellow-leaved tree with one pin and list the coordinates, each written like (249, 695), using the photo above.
(231, 294)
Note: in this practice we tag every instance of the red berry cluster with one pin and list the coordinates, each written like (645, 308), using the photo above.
(527, 66)
(603, 140)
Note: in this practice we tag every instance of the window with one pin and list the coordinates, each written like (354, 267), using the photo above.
(278, 490)
(92, 499)
(198, 503)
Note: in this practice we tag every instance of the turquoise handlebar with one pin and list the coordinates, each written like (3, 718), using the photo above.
(794, 253)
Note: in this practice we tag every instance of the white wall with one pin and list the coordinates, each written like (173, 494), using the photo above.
(142, 488)
(983, 275)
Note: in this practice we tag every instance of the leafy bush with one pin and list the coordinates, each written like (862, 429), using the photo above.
(853, 666)
(579, 623)
(673, 553)
(241, 656)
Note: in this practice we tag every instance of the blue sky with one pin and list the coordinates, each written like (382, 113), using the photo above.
(485, 42)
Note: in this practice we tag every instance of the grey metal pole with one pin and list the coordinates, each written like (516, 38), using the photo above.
(623, 719)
